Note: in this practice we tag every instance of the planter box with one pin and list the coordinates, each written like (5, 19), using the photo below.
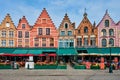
(45, 66)
(61, 67)
(94, 67)
(7, 66)
(79, 67)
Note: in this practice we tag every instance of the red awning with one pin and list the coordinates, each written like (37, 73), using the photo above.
(41, 55)
(52, 54)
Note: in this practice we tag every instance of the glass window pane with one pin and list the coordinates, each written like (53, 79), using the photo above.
(69, 33)
(62, 33)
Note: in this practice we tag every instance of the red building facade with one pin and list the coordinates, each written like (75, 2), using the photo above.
(44, 32)
(23, 33)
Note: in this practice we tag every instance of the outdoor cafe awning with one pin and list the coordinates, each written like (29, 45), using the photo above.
(66, 51)
(101, 51)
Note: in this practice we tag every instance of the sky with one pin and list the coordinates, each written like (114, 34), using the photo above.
(57, 9)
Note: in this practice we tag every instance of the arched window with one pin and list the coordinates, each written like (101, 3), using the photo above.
(86, 30)
(111, 32)
(111, 41)
(103, 32)
(104, 42)
(66, 25)
(106, 23)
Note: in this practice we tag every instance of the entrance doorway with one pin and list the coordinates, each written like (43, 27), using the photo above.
(68, 59)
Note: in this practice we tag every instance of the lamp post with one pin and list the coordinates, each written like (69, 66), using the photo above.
(110, 68)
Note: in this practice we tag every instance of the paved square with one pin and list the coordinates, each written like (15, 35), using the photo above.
(72, 74)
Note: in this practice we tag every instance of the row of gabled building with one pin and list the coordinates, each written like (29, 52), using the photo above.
(44, 33)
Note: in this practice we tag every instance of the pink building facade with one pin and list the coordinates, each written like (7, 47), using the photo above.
(118, 34)
(107, 32)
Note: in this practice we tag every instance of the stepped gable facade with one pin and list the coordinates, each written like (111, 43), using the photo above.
(86, 33)
(23, 33)
(44, 33)
(66, 33)
(107, 32)
(7, 32)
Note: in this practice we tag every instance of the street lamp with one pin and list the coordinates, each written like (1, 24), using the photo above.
(110, 67)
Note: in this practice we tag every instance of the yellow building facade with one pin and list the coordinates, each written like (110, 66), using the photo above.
(7, 32)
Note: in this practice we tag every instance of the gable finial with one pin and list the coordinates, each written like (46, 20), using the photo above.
(85, 14)
(106, 11)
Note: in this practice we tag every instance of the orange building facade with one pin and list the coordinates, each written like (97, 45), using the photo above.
(23, 33)
(86, 33)
(44, 32)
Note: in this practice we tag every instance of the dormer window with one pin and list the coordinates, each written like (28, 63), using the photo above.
(66, 25)
(106, 23)
(23, 26)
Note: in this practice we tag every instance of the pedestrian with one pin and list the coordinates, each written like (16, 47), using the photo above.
(119, 65)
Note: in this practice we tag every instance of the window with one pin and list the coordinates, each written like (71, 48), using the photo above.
(104, 42)
(106, 23)
(78, 31)
(92, 41)
(47, 31)
(111, 41)
(11, 34)
(26, 42)
(85, 41)
(3, 33)
(3, 43)
(11, 43)
(26, 34)
(92, 30)
(79, 42)
(19, 42)
(51, 42)
(86, 30)
(66, 25)
(71, 43)
(111, 32)
(23, 26)
(20, 34)
(69, 33)
(61, 43)
(39, 31)
(36, 42)
(66, 43)
(103, 32)
(43, 42)
(62, 33)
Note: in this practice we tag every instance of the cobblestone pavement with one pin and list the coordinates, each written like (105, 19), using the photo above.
(69, 74)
